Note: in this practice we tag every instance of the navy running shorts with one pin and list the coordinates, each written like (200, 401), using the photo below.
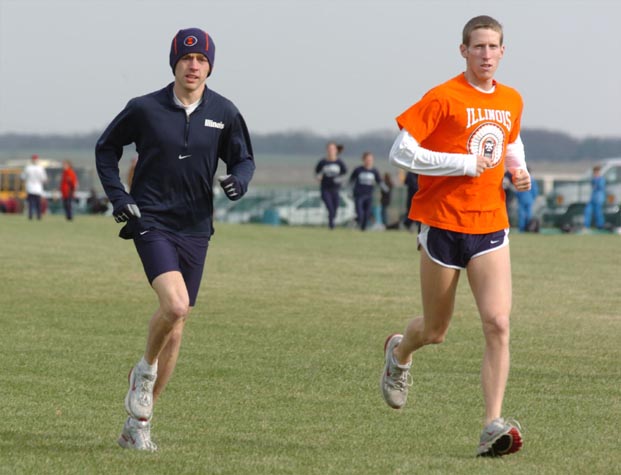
(161, 251)
(455, 250)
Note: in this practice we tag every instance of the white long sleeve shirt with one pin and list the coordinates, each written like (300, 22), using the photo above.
(407, 154)
(34, 177)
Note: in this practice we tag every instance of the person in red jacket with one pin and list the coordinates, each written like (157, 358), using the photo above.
(68, 185)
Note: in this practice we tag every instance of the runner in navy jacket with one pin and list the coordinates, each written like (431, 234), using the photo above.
(178, 156)
(363, 179)
(180, 132)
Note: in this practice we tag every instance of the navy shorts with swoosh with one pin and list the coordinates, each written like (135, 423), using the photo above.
(455, 250)
(162, 251)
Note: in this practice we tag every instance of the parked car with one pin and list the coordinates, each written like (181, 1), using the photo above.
(566, 202)
(249, 208)
(310, 210)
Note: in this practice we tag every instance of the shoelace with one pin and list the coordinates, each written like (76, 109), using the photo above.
(400, 378)
(146, 391)
(144, 435)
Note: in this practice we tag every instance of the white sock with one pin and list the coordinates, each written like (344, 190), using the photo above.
(399, 365)
(148, 368)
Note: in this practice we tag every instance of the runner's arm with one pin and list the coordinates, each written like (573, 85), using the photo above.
(515, 157)
(319, 170)
(343, 167)
(380, 182)
(407, 154)
(108, 152)
(515, 162)
(236, 152)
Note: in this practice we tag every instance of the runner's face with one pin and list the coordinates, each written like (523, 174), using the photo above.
(331, 151)
(482, 56)
(191, 71)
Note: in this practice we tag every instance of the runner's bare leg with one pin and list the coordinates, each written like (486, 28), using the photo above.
(438, 287)
(490, 280)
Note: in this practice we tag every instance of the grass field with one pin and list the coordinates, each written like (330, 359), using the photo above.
(280, 364)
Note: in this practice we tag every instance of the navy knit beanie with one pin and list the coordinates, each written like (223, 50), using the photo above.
(192, 40)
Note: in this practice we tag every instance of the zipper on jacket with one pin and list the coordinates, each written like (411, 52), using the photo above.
(187, 132)
(187, 126)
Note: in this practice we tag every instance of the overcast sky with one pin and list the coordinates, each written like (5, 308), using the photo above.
(329, 66)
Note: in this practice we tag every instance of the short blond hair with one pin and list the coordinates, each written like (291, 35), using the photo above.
(478, 22)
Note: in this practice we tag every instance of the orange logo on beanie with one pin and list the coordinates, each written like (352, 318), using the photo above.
(190, 41)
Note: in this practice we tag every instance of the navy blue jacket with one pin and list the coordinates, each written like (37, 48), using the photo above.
(331, 173)
(411, 182)
(364, 180)
(177, 159)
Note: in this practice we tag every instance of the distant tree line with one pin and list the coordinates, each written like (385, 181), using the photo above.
(540, 144)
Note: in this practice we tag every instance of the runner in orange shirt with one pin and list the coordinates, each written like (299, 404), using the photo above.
(459, 138)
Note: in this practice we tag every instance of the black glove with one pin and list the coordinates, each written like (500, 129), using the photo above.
(126, 212)
(231, 186)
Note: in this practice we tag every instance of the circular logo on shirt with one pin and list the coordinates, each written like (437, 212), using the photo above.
(487, 140)
(331, 170)
(190, 40)
(366, 178)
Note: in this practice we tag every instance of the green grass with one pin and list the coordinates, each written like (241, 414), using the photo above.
(279, 368)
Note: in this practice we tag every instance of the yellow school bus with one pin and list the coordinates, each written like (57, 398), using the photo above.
(12, 186)
(11, 183)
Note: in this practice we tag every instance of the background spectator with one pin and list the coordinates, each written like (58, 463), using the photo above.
(68, 185)
(411, 182)
(386, 197)
(34, 177)
(595, 206)
(525, 200)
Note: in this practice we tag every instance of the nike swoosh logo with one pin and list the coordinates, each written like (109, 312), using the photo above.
(494, 242)
(182, 157)
(142, 233)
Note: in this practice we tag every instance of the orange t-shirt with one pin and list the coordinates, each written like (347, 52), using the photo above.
(454, 117)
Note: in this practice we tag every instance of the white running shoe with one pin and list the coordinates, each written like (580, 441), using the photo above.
(500, 437)
(139, 398)
(137, 435)
(396, 379)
